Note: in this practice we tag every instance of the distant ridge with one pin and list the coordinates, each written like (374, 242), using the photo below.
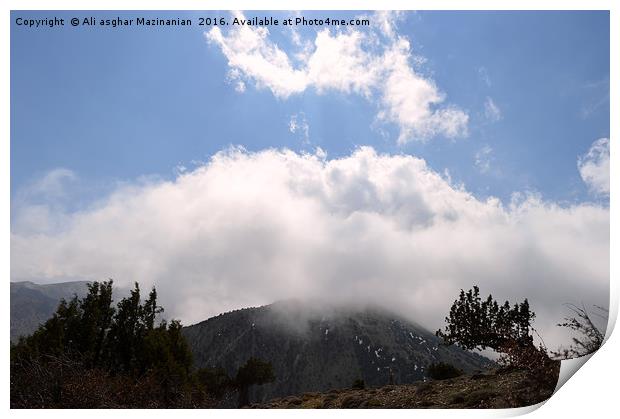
(32, 304)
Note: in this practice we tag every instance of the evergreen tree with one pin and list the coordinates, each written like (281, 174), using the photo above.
(90, 334)
(474, 323)
(255, 371)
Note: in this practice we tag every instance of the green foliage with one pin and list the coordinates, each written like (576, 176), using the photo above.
(215, 381)
(443, 371)
(92, 354)
(255, 371)
(122, 339)
(90, 334)
(476, 323)
(77, 329)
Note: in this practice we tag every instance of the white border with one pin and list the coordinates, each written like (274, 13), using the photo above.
(592, 394)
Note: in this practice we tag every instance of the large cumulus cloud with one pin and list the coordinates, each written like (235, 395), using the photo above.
(250, 228)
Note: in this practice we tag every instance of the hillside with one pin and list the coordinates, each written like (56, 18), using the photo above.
(497, 389)
(32, 304)
(321, 349)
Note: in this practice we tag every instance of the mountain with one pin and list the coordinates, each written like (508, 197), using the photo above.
(32, 304)
(321, 349)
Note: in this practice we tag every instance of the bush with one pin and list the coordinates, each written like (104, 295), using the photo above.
(443, 371)
(351, 401)
(358, 384)
(478, 398)
(59, 382)
(374, 403)
(591, 336)
(215, 381)
(533, 360)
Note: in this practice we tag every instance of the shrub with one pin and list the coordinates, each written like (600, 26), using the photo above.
(478, 398)
(358, 384)
(443, 371)
(374, 403)
(591, 337)
(351, 401)
(214, 380)
(533, 360)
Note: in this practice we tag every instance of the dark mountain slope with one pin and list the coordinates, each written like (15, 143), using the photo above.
(317, 350)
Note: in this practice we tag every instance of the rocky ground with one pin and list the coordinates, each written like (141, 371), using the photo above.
(497, 389)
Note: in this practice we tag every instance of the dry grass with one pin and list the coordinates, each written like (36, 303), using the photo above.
(498, 389)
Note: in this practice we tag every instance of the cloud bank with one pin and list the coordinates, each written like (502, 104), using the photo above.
(375, 63)
(249, 228)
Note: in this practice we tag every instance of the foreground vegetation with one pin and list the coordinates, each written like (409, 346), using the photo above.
(91, 354)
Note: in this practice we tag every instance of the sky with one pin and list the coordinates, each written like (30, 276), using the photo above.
(393, 163)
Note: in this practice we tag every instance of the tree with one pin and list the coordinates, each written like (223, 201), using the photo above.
(474, 323)
(89, 337)
(78, 328)
(255, 371)
(125, 332)
(96, 318)
(591, 337)
(215, 381)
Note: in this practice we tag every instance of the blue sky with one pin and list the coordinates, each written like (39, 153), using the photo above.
(117, 104)
(380, 163)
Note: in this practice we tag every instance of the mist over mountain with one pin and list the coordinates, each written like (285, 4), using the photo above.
(317, 348)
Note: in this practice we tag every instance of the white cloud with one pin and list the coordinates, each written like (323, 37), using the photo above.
(39, 206)
(408, 100)
(594, 167)
(491, 111)
(299, 125)
(250, 52)
(385, 21)
(248, 228)
(375, 65)
(52, 185)
(482, 159)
